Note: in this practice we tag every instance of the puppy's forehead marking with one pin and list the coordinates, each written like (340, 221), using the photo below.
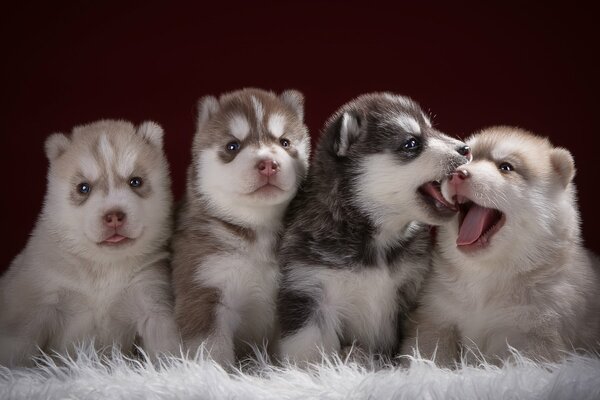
(126, 162)
(106, 150)
(276, 125)
(89, 167)
(408, 123)
(239, 126)
(258, 108)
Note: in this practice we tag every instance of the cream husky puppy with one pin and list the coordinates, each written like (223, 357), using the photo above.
(510, 270)
(95, 266)
(250, 153)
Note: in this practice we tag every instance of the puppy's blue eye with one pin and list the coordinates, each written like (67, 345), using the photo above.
(84, 188)
(232, 146)
(136, 182)
(506, 167)
(411, 144)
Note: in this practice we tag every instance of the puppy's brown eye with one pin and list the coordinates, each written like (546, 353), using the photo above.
(285, 142)
(84, 188)
(232, 146)
(506, 167)
(136, 182)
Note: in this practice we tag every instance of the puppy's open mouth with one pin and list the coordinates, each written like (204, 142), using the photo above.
(476, 224)
(432, 195)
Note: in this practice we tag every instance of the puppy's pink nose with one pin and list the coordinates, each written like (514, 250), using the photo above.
(458, 176)
(114, 219)
(268, 167)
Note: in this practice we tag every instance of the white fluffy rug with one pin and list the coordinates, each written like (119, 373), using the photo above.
(92, 378)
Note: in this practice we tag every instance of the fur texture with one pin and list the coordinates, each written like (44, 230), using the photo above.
(356, 246)
(95, 266)
(526, 282)
(89, 377)
(250, 154)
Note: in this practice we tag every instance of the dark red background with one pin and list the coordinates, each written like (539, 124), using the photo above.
(472, 65)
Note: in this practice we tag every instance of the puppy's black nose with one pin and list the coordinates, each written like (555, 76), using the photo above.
(464, 150)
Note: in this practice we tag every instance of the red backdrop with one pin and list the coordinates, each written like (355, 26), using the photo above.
(471, 65)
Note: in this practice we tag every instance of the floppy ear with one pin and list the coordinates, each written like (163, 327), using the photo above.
(151, 132)
(55, 145)
(295, 100)
(563, 165)
(348, 134)
(208, 106)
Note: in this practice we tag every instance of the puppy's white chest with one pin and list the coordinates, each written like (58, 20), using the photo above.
(93, 310)
(488, 327)
(366, 300)
(247, 279)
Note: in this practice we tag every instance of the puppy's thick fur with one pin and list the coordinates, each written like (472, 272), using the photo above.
(250, 153)
(515, 273)
(82, 276)
(356, 246)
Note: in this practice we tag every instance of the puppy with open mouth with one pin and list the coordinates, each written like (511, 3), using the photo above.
(356, 246)
(510, 269)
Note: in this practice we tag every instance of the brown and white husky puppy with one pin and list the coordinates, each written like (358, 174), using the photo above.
(250, 154)
(510, 269)
(96, 265)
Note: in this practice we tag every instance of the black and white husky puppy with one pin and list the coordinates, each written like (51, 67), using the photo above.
(357, 246)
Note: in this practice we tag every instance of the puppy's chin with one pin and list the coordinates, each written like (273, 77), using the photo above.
(270, 195)
(433, 213)
(110, 247)
(436, 217)
(486, 253)
(257, 193)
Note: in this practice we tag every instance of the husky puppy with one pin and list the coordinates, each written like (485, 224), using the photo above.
(510, 269)
(250, 153)
(356, 246)
(95, 267)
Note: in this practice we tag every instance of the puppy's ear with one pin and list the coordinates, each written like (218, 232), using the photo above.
(152, 132)
(295, 100)
(55, 145)
(563, 165)
(208, 106)
(349, 133)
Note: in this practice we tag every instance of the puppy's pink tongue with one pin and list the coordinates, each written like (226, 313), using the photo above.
(476, 222)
